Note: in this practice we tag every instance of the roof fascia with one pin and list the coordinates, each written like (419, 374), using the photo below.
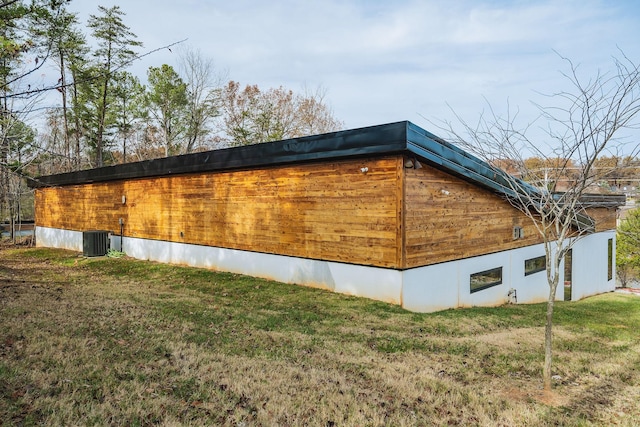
(451, 158)
(373, 140)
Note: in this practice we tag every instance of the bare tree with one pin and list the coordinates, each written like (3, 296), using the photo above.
(252, 116)
(18, 153)
(314, 114)
(582, 124)
(202, 80)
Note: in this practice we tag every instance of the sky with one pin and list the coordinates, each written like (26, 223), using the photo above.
(385, 61)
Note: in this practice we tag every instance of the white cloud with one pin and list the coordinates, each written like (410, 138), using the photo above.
(385, 61)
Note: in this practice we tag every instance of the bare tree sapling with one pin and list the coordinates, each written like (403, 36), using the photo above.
(581, 125)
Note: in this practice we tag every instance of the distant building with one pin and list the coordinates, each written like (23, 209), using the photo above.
(388, 212)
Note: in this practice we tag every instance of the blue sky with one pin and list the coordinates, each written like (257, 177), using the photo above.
(384, 61)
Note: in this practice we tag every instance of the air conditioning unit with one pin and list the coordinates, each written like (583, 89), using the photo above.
(95, 242)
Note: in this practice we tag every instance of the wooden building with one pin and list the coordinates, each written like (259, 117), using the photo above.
(389, 212)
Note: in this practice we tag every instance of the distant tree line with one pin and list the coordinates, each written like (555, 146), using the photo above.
(102, 114)
(614, 173)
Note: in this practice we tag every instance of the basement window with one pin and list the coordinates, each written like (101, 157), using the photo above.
(486, 279)
(535, 265)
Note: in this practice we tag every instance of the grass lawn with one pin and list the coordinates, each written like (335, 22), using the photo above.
(108, 341)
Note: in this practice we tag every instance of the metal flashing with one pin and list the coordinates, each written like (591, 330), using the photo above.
(450, 158)
(598, 200)
(374, 140)
(393, 138)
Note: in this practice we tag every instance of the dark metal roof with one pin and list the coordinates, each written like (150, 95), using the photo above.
(382, 139)
(450, 158)
(393, 138)
(598, 200)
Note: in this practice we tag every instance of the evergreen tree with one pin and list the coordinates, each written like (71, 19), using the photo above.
(128, 104)
(59, 34)
(628, 247)
(115, 51)
(166, 99)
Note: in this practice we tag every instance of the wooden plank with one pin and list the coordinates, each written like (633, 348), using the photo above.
(330, 211)
(605, 218)
(388, 216)
(447, 218)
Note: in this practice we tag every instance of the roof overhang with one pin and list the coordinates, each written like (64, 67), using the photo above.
(602, 200)
(394, 138)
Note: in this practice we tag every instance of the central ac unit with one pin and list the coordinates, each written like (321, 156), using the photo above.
(95, 242)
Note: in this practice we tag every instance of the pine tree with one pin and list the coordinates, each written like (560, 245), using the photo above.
(115, 52)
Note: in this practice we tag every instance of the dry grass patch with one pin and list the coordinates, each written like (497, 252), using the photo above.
(124, 342)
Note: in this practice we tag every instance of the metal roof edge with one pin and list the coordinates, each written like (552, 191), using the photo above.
(449, 157)
(379, 139)
(397, 137)
(391, 138)
(588, 200)
(453, 159)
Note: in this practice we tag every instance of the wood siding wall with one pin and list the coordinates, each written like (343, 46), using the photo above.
(605, 218)
(387, 216)
(447, 218)
(330, 210)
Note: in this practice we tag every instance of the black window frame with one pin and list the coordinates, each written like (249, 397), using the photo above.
(485, 285)
(535, 269)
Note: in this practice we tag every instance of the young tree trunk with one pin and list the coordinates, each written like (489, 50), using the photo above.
(77, 160)
(101, 124)
(4, 156)
(553, 278)
(63, 84)
(581, 129)
(12, 223)
(548, 341)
